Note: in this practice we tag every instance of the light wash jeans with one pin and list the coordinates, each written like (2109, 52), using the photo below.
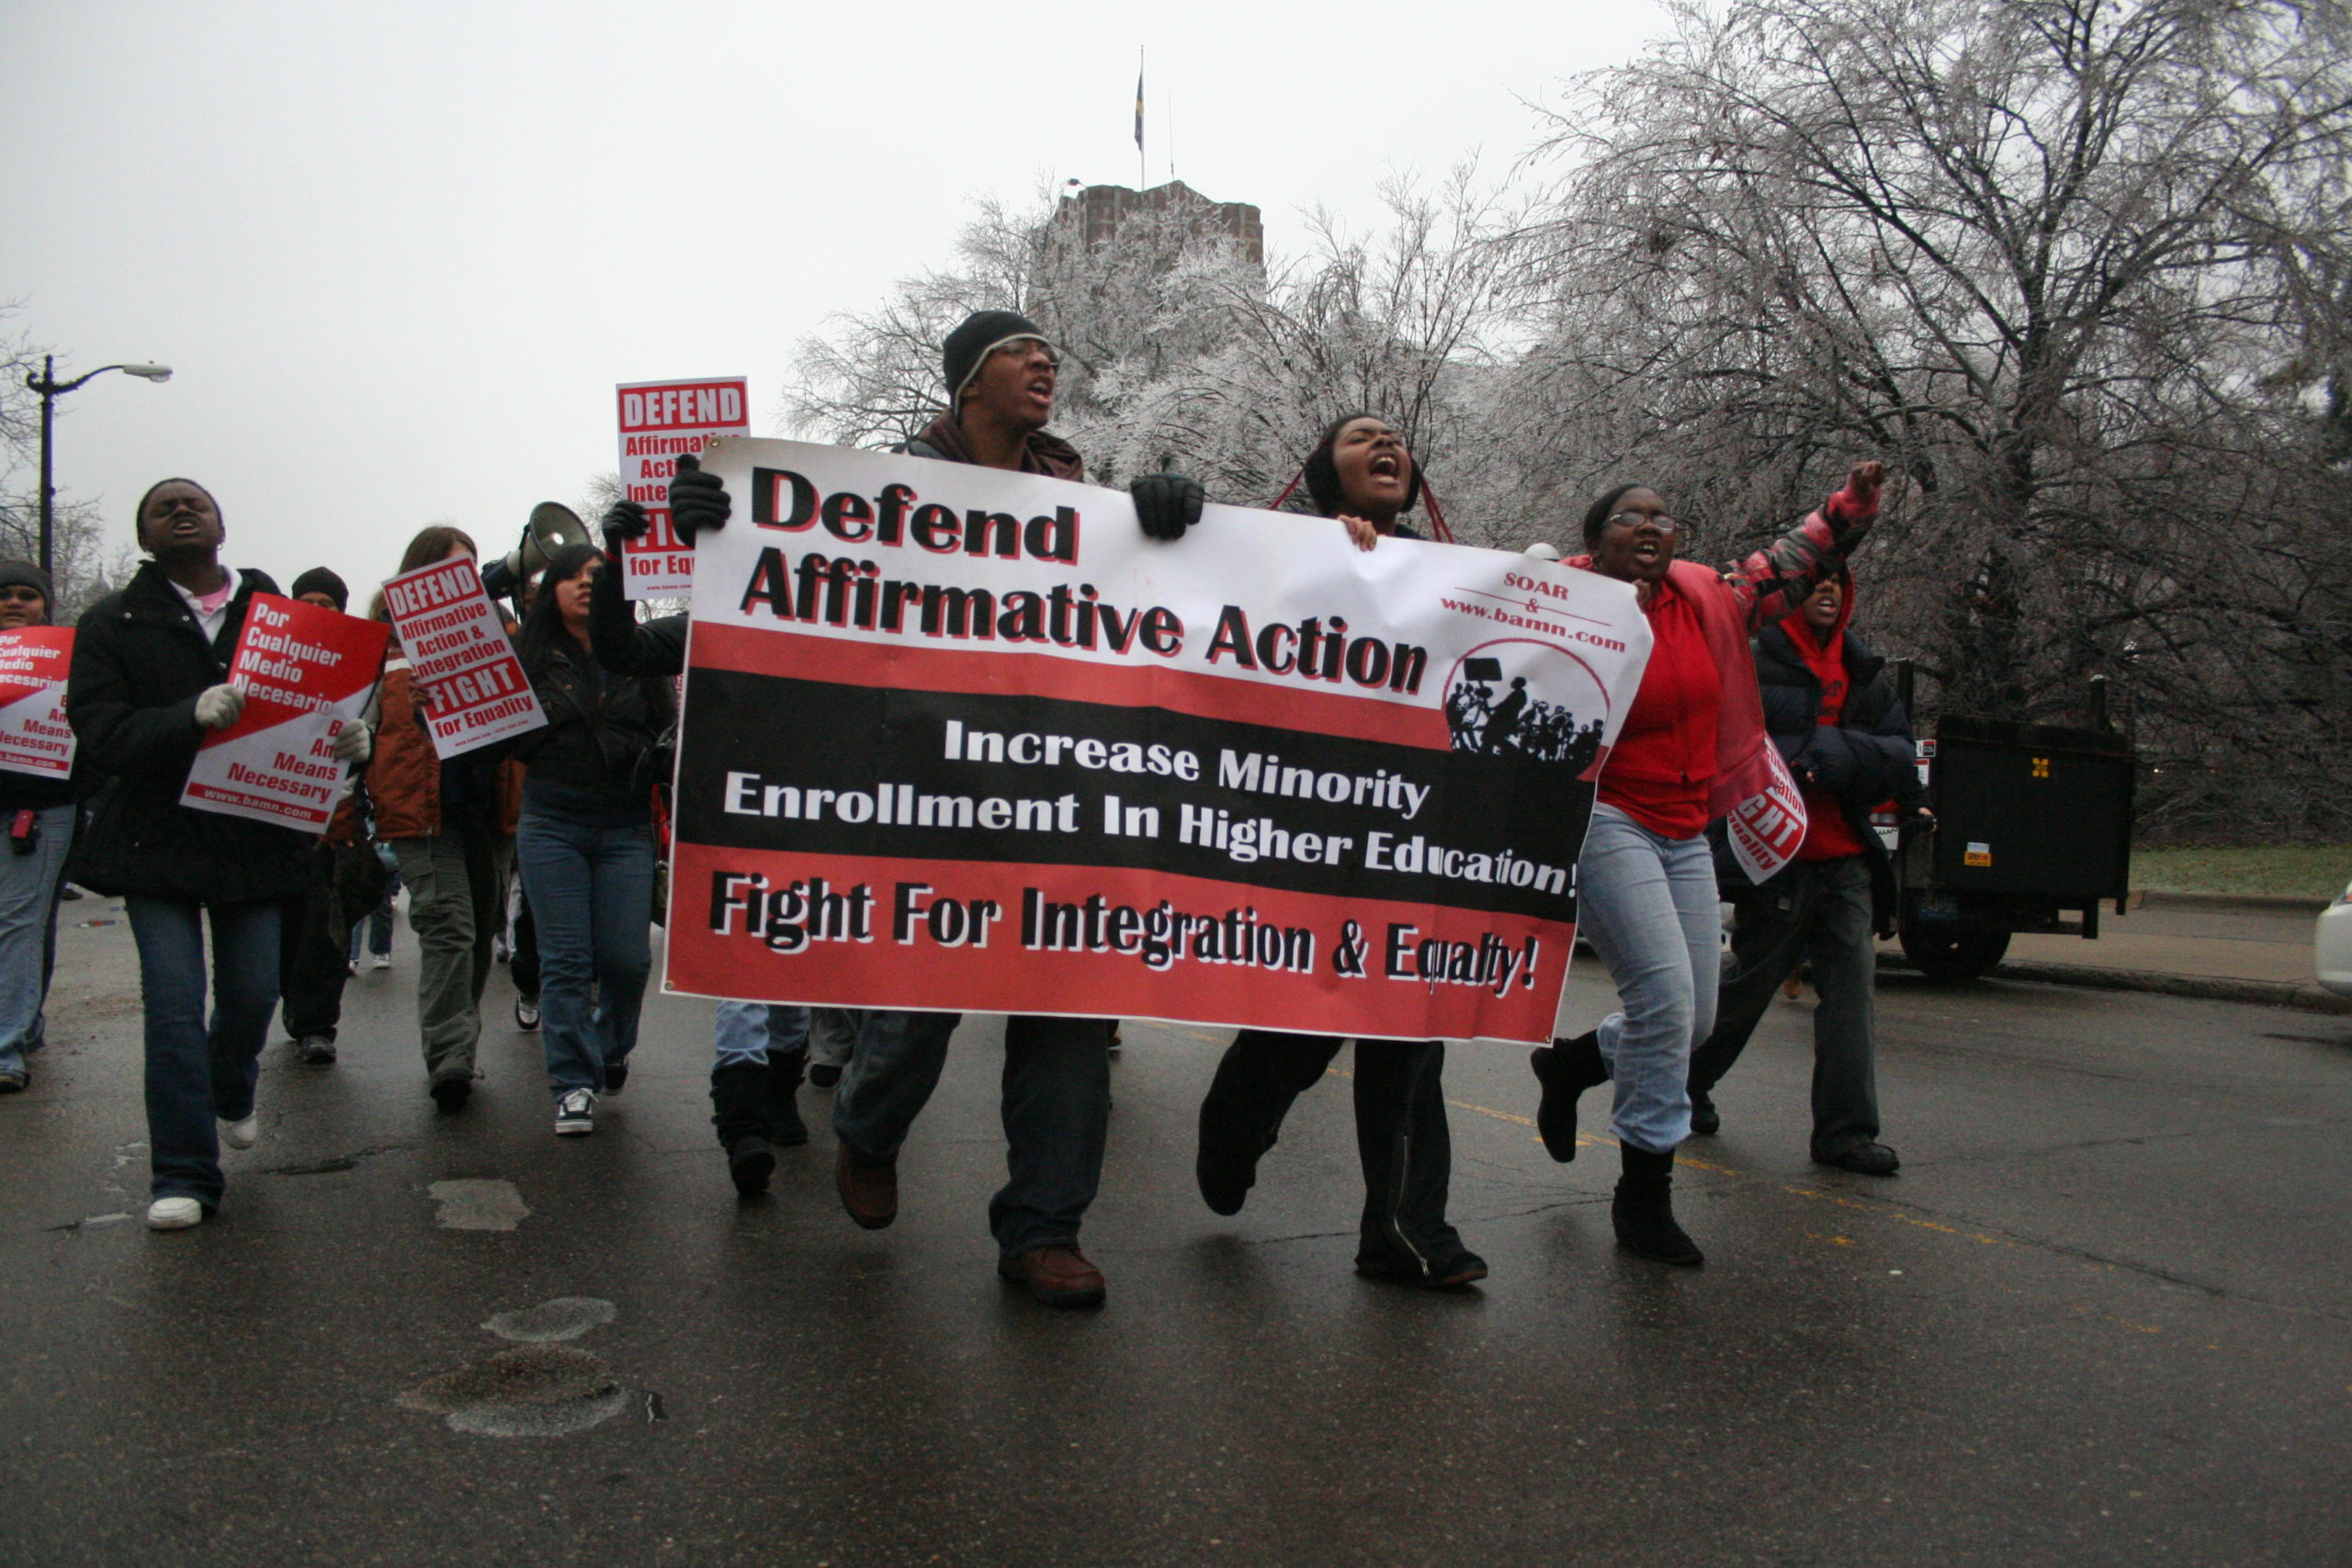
(196, 1073)
(832, 1035)
(28, 884)
(749, 1033)
(591, 887)
(1649, 907)
(1056, 1109)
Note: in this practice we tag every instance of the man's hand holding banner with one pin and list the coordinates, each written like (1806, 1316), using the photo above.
(958, 739)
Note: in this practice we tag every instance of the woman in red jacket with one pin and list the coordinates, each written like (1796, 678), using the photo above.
(1692, 745)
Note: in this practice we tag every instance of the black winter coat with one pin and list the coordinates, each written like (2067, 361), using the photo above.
(600, 727)
(140, 660)
(1864, 759)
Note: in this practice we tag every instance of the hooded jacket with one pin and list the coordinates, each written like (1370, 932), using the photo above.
(1856, 764)
(140, 660)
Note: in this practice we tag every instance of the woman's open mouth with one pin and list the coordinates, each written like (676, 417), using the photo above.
(1386, 465)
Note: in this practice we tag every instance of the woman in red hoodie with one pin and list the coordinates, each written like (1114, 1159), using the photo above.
(1692, 745)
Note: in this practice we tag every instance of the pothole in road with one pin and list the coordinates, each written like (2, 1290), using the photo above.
(534, 1391)
(566, 1317)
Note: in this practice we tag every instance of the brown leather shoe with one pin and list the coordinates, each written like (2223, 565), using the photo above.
(1058, 1275)
(869, 1188)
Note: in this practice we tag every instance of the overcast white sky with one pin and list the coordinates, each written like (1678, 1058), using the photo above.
(399, 254)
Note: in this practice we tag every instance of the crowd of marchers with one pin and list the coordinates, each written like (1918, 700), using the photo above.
(543, 850)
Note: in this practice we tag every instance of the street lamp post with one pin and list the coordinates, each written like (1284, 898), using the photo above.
(49, 387)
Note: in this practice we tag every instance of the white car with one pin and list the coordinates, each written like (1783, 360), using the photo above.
(2332, 945)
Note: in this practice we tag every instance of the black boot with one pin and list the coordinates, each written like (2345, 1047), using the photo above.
(1643, 1210)
(785, 1129)
(1256, 1078)
(738, 1104)
(1705, 1120)
(1408, 1156)
(1565, 1068)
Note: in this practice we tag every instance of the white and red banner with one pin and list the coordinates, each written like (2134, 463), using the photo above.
(459, 651)
(963, 739)
(1767, 828)
(34, 737)
(306, 672)
(660, 421)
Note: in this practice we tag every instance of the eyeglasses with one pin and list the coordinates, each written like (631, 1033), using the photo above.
(1021, 348)
(1660, 522)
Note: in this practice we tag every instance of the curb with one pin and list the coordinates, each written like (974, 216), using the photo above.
(2204, 988)
(2268, 903)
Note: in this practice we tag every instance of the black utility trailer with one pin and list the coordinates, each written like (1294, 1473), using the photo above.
(2033, 832)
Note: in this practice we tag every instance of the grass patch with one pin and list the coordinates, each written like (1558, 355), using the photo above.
(2286, 871)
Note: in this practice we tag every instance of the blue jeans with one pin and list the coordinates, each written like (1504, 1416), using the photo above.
(379, 923)
(1056, 1108)
(591, 887)
(197, 1074)
(28, 884)
(1649, 907)
(749, 1033)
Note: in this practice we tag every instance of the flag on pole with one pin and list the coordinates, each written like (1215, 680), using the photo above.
(1138, 109)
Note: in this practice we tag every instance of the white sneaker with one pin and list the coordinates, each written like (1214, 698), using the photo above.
(174, 1213)
(241, 1134)
(382, 961)
(576, 1113)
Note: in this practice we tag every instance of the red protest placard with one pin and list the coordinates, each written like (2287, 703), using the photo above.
(459, 651)
(306, 672)
(34, 736)
(660, 421)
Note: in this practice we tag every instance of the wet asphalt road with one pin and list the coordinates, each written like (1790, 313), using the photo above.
(2101, 1318)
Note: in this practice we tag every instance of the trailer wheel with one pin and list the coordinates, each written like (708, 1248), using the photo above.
(1948, 954)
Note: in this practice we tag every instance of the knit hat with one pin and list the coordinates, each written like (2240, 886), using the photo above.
(319, 579)
(25, 574)
(981, 334)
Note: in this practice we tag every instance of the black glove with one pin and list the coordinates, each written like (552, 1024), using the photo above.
(1166, 504)
(697, 500)
(627, 520)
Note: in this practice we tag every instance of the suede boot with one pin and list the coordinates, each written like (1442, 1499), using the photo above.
(785, 1129)
(1565, 1068)
(740, 1108)
(1643, 1210)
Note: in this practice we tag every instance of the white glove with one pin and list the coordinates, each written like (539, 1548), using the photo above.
(354, 743)
(217, 707)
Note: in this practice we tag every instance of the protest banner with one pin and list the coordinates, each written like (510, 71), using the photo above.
(964, 739)
(660, 420)
(306, 672)
(458, 652)
(34, 737)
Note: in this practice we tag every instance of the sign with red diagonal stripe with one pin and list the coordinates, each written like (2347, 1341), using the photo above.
(306, 672)
(34, 737)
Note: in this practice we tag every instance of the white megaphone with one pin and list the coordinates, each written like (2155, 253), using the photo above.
(1541, 550)
(552, 527)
